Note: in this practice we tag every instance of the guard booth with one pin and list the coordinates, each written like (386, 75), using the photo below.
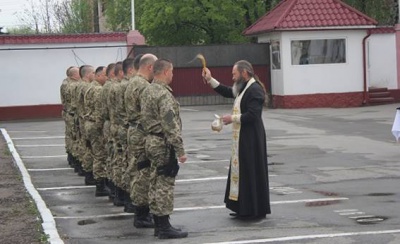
(188, 85)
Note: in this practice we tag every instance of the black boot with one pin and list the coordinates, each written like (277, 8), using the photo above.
(129, 207)
(70, 159)
(166, 231)
(119, 197)
(80, 170)
(101, 188)
(111, 189)
(89, 179)
(143, 218)
(155, 218)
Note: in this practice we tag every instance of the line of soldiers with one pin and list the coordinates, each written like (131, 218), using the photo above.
(123, 134)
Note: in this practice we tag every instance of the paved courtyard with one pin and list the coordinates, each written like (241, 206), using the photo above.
(334, 178)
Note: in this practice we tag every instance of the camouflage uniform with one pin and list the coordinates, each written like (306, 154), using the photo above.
(66, 113)
(162, 122)
(94, 129)
(73, 91)
(123, 124)
(105, 93)
(85, 158)
(139, 177)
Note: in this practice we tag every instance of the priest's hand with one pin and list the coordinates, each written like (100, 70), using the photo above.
(227, 119)
(182, 159)
(206, 75)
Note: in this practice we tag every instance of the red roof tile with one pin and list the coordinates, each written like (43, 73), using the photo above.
(63, 38)
(305, 14)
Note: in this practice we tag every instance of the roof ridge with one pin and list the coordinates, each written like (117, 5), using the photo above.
(356, 11)
(290, 7)
(260, 18)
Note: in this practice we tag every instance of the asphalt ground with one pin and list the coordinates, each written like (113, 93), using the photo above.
(334, 178)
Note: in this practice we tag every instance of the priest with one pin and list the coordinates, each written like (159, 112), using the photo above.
(247, 189)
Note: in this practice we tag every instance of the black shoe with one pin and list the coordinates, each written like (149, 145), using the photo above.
(119, 197)
(143, 218)
(233, 214)
(89, 179)
(101, 190)
(111, 189)
(166, 231)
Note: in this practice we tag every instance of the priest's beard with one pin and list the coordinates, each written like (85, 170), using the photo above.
(238, 86)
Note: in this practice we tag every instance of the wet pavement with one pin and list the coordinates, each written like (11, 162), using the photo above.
(334, 177)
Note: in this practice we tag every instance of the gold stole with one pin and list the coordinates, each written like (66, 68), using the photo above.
(234, 187)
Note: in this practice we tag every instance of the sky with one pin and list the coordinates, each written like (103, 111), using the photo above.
(8, 10)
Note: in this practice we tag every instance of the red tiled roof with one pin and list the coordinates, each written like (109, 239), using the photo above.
(305, 14)
(63, 38)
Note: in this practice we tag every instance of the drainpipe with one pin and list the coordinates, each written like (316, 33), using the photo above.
(365, 95)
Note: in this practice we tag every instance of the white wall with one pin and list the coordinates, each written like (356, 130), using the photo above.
(277, 84)
(323, 78)
(34, 77)
(382, 63)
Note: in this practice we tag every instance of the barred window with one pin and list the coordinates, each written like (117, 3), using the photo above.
(322, 51)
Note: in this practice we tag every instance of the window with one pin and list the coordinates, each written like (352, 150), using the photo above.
(276, 55)
(323, 51)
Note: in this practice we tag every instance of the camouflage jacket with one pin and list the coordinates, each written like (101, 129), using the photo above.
(132, 94)
(63, 93)
(105, 92)
(93, 103)
(112, 101)
(81, 91)
(160, 114)
(120, 101)
(73, 91)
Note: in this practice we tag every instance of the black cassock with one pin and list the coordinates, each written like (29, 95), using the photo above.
(253, 200)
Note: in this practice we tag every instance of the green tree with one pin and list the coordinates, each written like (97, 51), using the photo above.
(21, 30)
(383, 11)
(118, 14)
(74, 16)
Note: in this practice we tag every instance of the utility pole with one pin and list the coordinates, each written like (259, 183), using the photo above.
(133, 13)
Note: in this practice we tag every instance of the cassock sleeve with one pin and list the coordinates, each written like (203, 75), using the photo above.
(254, 104)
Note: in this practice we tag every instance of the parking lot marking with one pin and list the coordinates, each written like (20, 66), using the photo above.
(38, 138)
(308, 237)
(53, 156)
(202, 179)
(345, 210)
(64, 188)
(53, 169)
(204, 208)
(45, 145)
(27, 131)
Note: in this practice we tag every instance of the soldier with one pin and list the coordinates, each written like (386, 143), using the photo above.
(68, 116)
(112, 168)
(120, 164)
(162, 123)
(110, 73)
(87, 74)
(94, 130)
(139, 165)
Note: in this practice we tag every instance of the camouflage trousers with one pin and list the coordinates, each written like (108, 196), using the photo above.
(139, 178)
(96, 148)
(70, 133)
(119, 161)
(84, 147)
(108, 147)
(161, 190)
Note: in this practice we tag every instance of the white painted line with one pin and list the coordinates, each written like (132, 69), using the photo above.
(26, 131)
(351, 213)
(94, 216)
(208, 207)
(64, 188)
(49, 224)
(308, 237)
(48, 145)
(345, 210)
(53, 156)
(53, 169)
(38, 138)
(189, 109)
(207, 161)
(361, 216)
(202, 179)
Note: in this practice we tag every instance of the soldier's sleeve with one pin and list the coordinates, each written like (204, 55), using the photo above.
(97, 113)
(170, 123)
